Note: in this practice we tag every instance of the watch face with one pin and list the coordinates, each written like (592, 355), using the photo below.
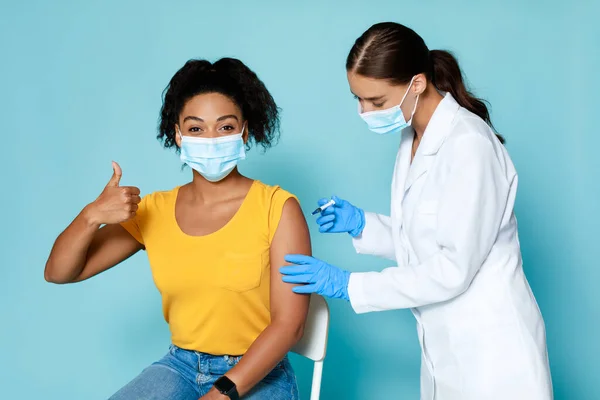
(224, 385)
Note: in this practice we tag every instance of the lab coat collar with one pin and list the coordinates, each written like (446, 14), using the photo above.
(439, 126)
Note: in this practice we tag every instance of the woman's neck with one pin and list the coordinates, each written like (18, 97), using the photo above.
(428, 103)
(206, 192)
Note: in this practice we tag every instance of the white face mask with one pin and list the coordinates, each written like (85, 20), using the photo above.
(213, 158)
(390, 120)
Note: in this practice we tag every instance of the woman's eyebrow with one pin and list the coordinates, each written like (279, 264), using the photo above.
(193, 118)
(226, 117)
(374, 98)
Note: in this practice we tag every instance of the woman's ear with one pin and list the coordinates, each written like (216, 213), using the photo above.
(245, 134)
(177, 136)
(419, 84)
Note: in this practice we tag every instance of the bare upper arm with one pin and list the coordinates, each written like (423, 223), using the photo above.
(291, 236)
(111, 245)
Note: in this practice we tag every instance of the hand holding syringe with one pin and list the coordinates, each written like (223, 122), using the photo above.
(339, 215)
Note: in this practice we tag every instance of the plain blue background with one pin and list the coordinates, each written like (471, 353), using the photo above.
(81, 85)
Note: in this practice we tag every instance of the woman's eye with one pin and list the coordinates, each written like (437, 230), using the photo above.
(195, 129)
(227, 128)
(378, 105)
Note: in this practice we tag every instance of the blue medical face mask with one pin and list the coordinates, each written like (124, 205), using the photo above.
(390, 120)
(213, 158)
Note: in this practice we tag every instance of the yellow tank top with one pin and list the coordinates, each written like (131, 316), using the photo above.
(215, 288)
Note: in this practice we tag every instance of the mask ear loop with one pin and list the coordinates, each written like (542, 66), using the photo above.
(414, 110)
(416, 101)
(406, 93)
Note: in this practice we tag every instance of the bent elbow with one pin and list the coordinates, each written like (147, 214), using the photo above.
(459, 283)
(51, 277)
(48, 277)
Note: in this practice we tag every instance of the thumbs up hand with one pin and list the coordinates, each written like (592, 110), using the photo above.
(116, 203)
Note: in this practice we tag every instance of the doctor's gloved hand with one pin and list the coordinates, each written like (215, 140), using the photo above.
(317, 276)
(341, 217)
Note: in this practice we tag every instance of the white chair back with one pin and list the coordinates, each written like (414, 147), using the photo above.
(313, 344)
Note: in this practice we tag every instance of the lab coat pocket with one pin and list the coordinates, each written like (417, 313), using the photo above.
(240, 272)
(423, 227)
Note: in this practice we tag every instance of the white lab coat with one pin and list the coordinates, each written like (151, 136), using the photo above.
(453, 234)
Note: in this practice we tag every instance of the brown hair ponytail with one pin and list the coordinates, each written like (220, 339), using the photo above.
(446, 76)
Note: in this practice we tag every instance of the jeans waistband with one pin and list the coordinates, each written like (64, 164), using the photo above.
(211, 362)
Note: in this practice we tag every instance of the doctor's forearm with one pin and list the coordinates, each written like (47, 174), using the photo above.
(436, 280)
(376, 238)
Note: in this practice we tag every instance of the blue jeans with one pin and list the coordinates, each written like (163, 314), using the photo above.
(189, 375)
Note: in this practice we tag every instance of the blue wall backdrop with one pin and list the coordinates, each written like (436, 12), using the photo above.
(80, 85)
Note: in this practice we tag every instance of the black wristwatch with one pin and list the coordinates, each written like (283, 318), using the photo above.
(226, 386)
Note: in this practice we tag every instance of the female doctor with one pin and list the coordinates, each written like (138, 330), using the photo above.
(452, 231)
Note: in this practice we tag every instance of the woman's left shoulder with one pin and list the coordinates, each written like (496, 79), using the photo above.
(470, 128)
(472, 144)
(276, 204)
(272, 192)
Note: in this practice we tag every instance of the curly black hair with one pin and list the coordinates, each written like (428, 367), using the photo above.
(229, 77)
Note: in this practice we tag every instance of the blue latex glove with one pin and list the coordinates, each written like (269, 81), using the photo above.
(341, 217)
(317, 276)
